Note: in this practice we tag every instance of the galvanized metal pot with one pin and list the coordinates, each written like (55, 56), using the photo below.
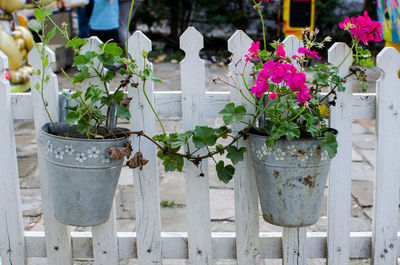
(291, 179)
(83, 178)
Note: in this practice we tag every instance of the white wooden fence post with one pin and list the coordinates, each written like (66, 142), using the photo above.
(197, 184)
(340, 173)
(147, 200)
(294, 240)
(58, 239)
(246, 195)
(12, 241)
(105, 242)
(387, 171)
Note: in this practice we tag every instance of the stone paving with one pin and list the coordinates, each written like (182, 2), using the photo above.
(172, 184)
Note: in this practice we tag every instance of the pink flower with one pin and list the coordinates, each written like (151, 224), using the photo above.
(262, 84)
(297, 81)
(273, 95)
(311, 54)
(275, 71)
(253, 51)
(7, 76)
(280, 52)
(303, 95)
(290, 71)
(362, 28)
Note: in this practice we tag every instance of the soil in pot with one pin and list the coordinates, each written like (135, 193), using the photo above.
(83, 178)
(291, 179)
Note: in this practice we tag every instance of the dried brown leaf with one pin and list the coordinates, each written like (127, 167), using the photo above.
(126, 102)
(119, 152)
(137, 161)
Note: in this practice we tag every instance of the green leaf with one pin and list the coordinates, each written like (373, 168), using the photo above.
(112, 48)
(232, 114)
(171, 162)
(74, 108)
(51, 34)
(77, 94)
(288, 129)
(81, 59)
(225, 173)
(96, 94)
(106, 58)
(204, 135)
(177, 140)
(312, 125)
(329, 144)
(72, 118)
(39, 15)
(83, 126)
(82, 75)
(221, 131)
(119, 96)
(234, 154)
(76, 42)
(123, 112)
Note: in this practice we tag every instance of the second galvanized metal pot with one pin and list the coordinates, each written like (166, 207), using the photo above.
(291, 179)
(83, 178)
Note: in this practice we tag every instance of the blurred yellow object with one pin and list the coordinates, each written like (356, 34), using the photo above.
(324, 110)
(393, 44)
(297, 15)
(22, 20)
(10, 6)
(9, 47)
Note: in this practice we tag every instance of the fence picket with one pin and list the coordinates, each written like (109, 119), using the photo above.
(105, 242)
(340, 173)
(147, 200)
(386, 193)
(294, 239)
(246, 195)
(197, 185)
(58, 238)
(12, 241)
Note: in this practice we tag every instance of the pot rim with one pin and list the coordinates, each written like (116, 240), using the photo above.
(83, 139)
(332, 130)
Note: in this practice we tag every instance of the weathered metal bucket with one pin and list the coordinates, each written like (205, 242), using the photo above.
(291, 179)
(83, 178)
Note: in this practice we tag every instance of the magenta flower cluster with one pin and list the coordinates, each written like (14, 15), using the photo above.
(362, 28)
(277, 71)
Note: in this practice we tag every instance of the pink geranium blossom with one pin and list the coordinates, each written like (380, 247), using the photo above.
(309, 53)
(273, 95)
(253, 51)
(280, 52)
(362, 28)
(303, 95)
(262, 84)
(275, 71)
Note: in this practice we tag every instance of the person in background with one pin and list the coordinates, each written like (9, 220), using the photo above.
(104, 20)
(83, 23)
(124, 9)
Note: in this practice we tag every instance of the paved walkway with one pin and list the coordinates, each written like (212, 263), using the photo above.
(172, 184)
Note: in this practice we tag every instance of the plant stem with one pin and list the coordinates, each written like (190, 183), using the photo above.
(263, 26)
(151, 106)
(127, 29)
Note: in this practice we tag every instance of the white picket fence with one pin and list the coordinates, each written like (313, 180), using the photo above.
(148, 244)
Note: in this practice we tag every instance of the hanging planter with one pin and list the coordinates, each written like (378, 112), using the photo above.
(291, 178)
(83, 177)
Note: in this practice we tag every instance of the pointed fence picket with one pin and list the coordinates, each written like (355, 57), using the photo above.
(246, 195)
(386, 194)
(294, 240)
(196, 178)
(148, 244)
(12, 245)
(105, 242)
(147, 201)
(58, 239)
(339, 200)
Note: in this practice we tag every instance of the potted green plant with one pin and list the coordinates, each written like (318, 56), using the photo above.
(85, 155)
(291, 143)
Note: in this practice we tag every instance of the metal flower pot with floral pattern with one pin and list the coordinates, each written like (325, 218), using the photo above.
(291, 179)
(83, 178)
